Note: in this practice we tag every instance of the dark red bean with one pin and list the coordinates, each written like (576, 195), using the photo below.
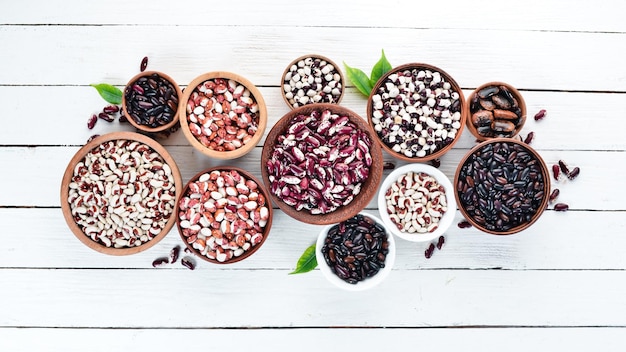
(144, 64)
(188, 263)
(159, 262)
(110, 109)
(554, 195)
(429, 251)
(123, 118)
(563, 167)
(540, 115)
(574, 173)
(556, 171)
(174, 252)
(529, 138)
(388, 165)
(561, 207)
(92, 121)
(106, 117)
(463, 224)
(440, 242)
(435, 162)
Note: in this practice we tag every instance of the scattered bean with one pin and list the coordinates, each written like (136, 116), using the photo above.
(463, 224)
(389, 165)
(312, 80)
(188, 263)
(554, 195)
(356, 249)
(556, 171)
(574, 173)
(435, 162)
(159, 262)
(440, 242)
(540, 115)
(501, 186)
(429, 251)
(223, 214)
(222, 114)
(91, 122)
(416, 112)
(563, 167)
(144, 64)
(320, 163)
(151, 100)
(122, 194)
(529, 138)
(561, 207)
(416, 202)
(495, 111)
(174, 252)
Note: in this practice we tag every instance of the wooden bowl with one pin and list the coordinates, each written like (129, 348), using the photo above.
(68, 179)
(439, 151)
(301, 63)
(494, 189)
(202, 141)
(189, 240)
(518, 107)
(126, 103)
(368, 188)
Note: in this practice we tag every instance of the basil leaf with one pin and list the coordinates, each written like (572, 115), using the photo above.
(111, 94)
(359, 79)
(307, 261)
(382, 66)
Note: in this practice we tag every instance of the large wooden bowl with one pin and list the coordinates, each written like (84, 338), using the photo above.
(184, 122)
(368, 188)
(67, 179)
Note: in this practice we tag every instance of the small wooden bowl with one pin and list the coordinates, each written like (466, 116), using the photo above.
(454, 87)
(283, 81)
(463, 206)
(125, 103)
(266, 229)
(368, 188)
(255, 94)
(67, 179)
(471, 102)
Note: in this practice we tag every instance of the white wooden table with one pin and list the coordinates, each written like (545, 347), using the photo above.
(559, 285)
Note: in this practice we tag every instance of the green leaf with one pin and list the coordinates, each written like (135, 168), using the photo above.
(111, 94)
(382, 66)
(307, 261)
(359, 79)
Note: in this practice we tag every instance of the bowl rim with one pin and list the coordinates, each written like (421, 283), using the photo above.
(520, 101)
(266, 229)
(368, 189)
(448, 217)
(144, 127)
(455, 87)
(69, 172)
(295, 61)
(361, 285)
(544, 170)
(256, 94)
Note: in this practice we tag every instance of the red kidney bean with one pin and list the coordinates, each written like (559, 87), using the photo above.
(574, 173)
(435, 162)
(463, 224)
(554, 195)
(540, 115)
(110, 109)
(159, 262)
(529, 138)
(563, 167)
(389, 165)
(356, 249)
(106, 117)
(188, 263)
(429, 251)
(174, 252)
(556, 171)
(561, 207)
(92, 121)
(440, 242)
(144, 64)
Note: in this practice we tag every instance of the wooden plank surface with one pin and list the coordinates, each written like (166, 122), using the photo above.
(558, 285)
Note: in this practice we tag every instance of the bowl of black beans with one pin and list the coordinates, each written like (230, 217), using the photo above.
(150, 101)
(356, 254)
(502, 186)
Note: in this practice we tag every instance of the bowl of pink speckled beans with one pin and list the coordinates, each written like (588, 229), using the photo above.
(224, 214)
(223, 115)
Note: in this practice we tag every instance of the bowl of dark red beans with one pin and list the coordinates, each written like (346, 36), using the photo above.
(502, 186)
(496, 109)
(150, 101)
(418, 112)
(356, 254)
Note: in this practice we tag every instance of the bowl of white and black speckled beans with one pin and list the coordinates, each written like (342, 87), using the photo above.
(496, 109)
(150, 101)
(356, 254)
(312, 79)
(119, 192)
(417, 111)
(223, 115)
(502, 186)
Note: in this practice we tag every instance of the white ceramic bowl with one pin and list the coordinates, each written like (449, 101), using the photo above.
(444, 222)
(367, 283)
